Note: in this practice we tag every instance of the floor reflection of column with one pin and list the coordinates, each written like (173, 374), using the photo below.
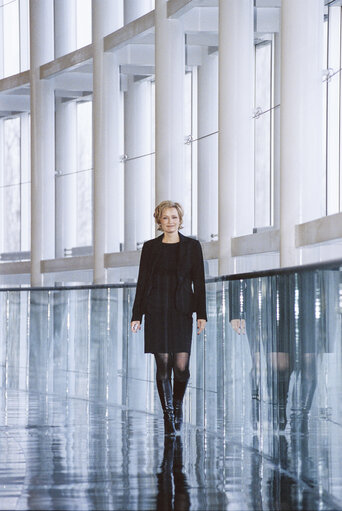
(125, 323)
(98, 346)
(199, 460)
(60, 326)
(114, 341)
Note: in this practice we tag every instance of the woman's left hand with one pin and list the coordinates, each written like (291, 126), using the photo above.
(200, 325)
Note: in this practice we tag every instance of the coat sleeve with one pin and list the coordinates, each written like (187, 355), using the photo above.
(139, 294)
(199, 283)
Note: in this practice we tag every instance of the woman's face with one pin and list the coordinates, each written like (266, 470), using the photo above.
(170, 220)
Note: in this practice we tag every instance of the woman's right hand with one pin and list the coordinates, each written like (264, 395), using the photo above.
(239, 325)
(135, 326)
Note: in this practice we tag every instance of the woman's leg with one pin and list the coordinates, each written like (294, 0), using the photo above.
(181, 376)
(164, 365)
(163, 377)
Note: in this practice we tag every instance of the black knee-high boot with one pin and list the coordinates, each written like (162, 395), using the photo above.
(179, 388)
(165, 396)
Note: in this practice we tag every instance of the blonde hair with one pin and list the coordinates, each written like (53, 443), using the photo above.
(158, 212)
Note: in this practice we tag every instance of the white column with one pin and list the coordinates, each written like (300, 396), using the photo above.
(42, 138)
(134, 9)
(236, 173)
(138, 172)
(301, 164)
(65, 26)
(106, 17)
(207, 147)
(169, 106)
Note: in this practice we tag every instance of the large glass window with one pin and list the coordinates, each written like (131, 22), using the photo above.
(332, 109)
(15, 187)
(14, 35)
(263, 133)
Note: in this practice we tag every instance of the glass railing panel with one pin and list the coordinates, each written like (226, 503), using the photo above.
(265, 382)
(140, 368)
(115, 339)
(40, 335)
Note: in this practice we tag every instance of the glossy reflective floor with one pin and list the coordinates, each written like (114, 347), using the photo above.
(72, 454)
(81, 425)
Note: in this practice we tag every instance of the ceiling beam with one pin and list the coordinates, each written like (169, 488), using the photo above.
(16, 103)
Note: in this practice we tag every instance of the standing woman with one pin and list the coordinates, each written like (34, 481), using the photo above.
(170, 288)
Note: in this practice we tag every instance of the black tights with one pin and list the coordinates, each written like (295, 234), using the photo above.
(179, 362)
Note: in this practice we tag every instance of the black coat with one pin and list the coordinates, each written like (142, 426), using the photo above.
(190, 292)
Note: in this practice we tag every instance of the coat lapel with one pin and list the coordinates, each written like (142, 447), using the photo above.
(181, 255)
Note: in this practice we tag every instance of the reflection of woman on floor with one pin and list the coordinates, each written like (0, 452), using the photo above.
(173, 488)
(170, 288)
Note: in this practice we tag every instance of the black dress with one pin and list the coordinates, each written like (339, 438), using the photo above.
(166, 329)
